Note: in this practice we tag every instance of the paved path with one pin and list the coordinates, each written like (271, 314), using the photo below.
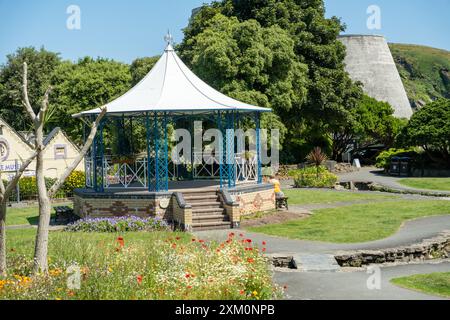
(412, 232)
(372, 174)
(353, 285)
(33, 226)
(313, 256)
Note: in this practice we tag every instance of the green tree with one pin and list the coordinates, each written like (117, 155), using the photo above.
(140, 67)
(86, 85)
(250, 63)
(308, 87)
(42, 66)
(430, 128)
(371, 122)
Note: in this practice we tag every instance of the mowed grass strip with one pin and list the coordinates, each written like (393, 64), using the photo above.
(306, 196)
(26, 215)
(433, 283)
(356, 223)
(440, 184)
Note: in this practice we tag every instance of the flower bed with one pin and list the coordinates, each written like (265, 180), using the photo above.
(313, 177)
(158, 266)
(117, 224)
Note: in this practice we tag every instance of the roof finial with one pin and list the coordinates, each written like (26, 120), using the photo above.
(168, 38)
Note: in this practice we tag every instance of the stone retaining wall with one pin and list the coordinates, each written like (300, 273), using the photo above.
(255, 199)
(105, 205)
(435, 248)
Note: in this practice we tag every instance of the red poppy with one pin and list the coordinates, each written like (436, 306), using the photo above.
(231, 234)
(241, 235)
(187, 275)
(263, 249)
(121, 241)
(174, 245)
(193, 240)
(249, 240)
(250, 260)
(177, 238)
(139, 279)
(189, 287)
(264, 243)
(201, 241)
(242, 292)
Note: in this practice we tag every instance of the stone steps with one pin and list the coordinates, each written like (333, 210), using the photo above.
(210, 218)
(204, 205)
(207, 211)
(201, 226)
(202, 198)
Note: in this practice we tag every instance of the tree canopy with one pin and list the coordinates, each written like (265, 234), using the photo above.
(430, 128)
(42, 64)
(279, 54)
(86, 85)
(140, 67)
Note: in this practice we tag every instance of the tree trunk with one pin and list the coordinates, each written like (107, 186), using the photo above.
(41, 246)
(3, 238)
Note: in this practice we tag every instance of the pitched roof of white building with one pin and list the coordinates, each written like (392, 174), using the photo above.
(171, 86)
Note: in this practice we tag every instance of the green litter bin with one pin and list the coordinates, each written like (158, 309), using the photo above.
(405, 166)
(394, 169)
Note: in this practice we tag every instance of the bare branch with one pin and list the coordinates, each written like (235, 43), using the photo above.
(55, 187)
(13, 182)
(44, 107)
(2, 187)
(25, 99)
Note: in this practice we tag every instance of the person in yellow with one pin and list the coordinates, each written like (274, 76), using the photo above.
(277, 186)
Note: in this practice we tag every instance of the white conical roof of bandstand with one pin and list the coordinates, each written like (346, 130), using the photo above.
(171, 86)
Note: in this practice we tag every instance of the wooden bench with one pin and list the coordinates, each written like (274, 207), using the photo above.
(64, 213)
(282, 202)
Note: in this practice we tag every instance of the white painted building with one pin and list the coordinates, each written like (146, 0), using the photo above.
(16, 147)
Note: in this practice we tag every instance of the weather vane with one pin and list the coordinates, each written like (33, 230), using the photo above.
(168, 38)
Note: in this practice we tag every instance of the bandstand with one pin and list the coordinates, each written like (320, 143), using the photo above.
(130, 169)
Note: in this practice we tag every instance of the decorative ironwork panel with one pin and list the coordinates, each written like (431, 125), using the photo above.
(258, 146)
(157, 148)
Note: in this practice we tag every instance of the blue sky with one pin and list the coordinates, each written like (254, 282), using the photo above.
(126, 29)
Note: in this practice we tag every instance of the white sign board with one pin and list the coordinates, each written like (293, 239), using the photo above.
(356, 163)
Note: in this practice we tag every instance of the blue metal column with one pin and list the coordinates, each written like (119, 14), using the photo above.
(97, 157)
(156, 139)
(102, 154)
(166, 155)
(230, 149)
(148, 136)
(258, 145)
(88, 155)
(221, 149)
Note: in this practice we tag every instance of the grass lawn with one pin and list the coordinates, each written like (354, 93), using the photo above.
(442, 184)
(137, 265)
(433, 283)
(26, 215)
(356, 223)
(306, 196)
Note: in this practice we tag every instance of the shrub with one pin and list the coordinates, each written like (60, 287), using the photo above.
(28, 187)
(75, 180)
(384, 158)
(119, 224)
(314, 177)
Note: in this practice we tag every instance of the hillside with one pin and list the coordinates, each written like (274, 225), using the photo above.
(425, 72)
